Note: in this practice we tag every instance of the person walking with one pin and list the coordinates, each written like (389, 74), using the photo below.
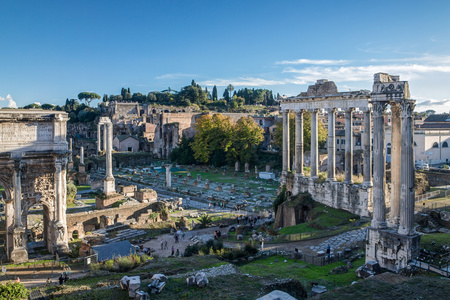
(173, 251)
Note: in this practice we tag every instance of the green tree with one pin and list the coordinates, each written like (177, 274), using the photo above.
(246, 136)
(183, 154)
(48, 106)
(214, 94)
(71, 192)
(230, 89)
(226, 95)
(13, 290)
(322, 133)
(34, 105)
(88, 97)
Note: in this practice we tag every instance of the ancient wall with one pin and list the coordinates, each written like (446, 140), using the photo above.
(88, 221)
(437, 179)
(350, 197)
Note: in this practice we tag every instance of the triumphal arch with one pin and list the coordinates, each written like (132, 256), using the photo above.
(393, 242)
(33, 160)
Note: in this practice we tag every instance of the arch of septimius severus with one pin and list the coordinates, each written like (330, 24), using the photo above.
(391, 242)
(33, 160)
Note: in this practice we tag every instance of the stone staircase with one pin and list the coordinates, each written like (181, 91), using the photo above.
(125, 235)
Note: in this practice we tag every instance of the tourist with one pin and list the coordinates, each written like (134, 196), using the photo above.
(177, 253)
(173, 250)
(328, 252)
(17, 279)
(49, 281)
(61, 279)
(165, 245)
(162, 244)
(261, 242)
(66, 278)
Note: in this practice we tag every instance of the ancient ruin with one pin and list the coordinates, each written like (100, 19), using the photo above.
(109, 187)
(392, 247)
(33, 161)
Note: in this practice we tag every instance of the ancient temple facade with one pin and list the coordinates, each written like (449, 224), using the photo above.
(33, 160)
(391, 242)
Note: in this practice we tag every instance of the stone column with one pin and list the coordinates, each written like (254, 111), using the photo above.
(17, 194)
(285, 142)
(379, 167)
(396, 166)
(407, 174)
(105, 137)
(299, 143)
(367, 149)
(82, 155)
(348, 146)
(331, 145)
(109, 182)
(99, 137)
(168, 176)
(314, 144)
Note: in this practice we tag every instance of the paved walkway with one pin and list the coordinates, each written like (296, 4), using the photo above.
(342, 241)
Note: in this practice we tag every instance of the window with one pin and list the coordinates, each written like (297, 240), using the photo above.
(435, 145)
(337, 141)
(343, 142)
(388, 151)
(444, 145)
(130, 149)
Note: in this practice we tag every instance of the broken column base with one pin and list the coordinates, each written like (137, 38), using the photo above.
(83, 179)
(19, 255)
(109, 186)
(61, 248)
(391, 250)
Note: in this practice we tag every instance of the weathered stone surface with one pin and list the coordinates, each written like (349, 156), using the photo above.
(190, 281)
(201, 280)
(277, 295)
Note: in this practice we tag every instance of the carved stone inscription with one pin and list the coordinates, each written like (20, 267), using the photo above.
(30, 132)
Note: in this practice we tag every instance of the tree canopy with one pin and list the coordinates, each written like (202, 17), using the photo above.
(88, 97)
(218, 139)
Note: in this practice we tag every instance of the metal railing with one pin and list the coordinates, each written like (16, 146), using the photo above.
(428, 195)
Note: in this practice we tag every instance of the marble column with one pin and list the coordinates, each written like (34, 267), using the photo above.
(70, 163)
(367, 148)
(109, 187)
(99, 137)
(168, 176)
(379, 167)
(285, 142)
(396, 166)
(407, 174)
(17, 194)
(314, 144)
(348, 146)
(331, 145)
(299, 143)
(105, 137)
(82, 155)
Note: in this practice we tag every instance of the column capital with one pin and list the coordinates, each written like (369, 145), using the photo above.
(395, 109)
(314, 110)
(300, 112)
(349, 110)
(407, 108)
(379, 108)
(331, 110)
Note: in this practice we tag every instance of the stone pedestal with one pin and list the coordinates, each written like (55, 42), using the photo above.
(247, 167)
(109, 186)
(391, 250)
(19, 253)
(83, 178)
(82, 168)
(70, 165)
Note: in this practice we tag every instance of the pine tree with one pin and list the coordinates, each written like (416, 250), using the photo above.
(214, 93)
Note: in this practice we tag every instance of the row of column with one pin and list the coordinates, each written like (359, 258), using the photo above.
(402, 167)
(299, 146)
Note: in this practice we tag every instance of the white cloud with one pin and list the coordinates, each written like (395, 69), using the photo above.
(176, 75)
(242, 81)
(304, 61)
(11, 102)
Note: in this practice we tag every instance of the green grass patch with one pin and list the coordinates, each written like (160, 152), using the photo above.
(83, 187)
(439, 240)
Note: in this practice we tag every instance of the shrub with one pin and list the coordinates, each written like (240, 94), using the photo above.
(13, 290)
(191, 250)
(205, 220)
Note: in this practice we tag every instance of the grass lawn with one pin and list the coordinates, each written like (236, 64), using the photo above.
(325, 216)
(83, 187)
(439, 239)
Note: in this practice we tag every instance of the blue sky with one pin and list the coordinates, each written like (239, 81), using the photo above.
(52, 50)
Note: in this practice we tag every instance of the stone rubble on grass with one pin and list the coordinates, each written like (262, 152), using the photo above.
(277, 295)
(342, 240)
(201, 280)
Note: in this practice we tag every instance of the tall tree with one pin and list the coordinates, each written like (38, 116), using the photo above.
(230, 89)
(214, 94)
(88, 97)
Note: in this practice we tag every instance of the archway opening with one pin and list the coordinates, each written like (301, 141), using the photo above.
(75, 234)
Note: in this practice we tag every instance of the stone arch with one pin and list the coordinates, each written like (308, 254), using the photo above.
(435, 145)
(444, 145)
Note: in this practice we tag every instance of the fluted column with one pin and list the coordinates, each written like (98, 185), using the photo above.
(407, 174)
(396, 164)
(314, 144)
(331, 145)
(348, 146)
(108, 142)
(285, 142)
(58, 190)
(379, 167)
(105, 137)
(299, 143)
(99, 138)
(17, 194)
(70, 150)
(367, 149)
(82, 155)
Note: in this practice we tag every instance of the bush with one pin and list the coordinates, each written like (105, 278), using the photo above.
(13, 290)
(191, 250)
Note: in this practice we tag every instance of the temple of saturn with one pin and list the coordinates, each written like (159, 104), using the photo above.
(109, 187)
(392, 243)
(33, 160)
